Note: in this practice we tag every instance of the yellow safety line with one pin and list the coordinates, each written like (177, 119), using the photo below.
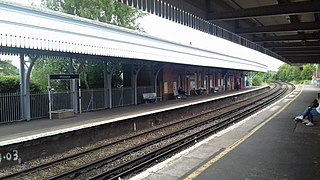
(197, 172)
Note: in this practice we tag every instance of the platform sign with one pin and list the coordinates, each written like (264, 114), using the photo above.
(72, 77)
(63, 76)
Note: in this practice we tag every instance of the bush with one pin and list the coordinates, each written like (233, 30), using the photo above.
(256, 81)
(12, 84)
(307, 82)
(9, 84)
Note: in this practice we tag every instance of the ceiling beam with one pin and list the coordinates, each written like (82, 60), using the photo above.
(304, 61)
(297, 49)
(302, 55)
(297, 52)
(314, 36)
(292, 45)
(292, 58)
(306, 54)
(272, 10)
(280, 28)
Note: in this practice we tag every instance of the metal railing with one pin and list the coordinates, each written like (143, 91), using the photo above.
(175, 14)
(9, 107)
(91, 100)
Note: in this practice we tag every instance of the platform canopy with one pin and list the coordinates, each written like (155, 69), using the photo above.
(290, 29)
(46, 32)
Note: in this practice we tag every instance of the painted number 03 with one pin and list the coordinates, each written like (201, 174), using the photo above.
(9, 156)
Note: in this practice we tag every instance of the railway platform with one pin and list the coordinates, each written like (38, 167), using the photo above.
(267, 145)
(43, 137)
(25, 130)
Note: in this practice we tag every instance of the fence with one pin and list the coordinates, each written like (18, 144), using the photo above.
(93, 99)
(9, 107)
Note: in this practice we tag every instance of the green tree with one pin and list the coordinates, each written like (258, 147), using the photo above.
(8, 69)
(295, 74)
(44, 67)
(281, 74)
(268, 77)
(108, 11)
(257, 78)
(308, 69)
(12, 84)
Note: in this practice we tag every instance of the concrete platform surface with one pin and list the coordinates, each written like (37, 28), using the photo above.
(16, 132)
(267, 145)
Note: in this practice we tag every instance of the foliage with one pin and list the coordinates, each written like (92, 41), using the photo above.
(259, 78)
(12, 84)
(108, 11)
(295, 74)
(44, 67)
(91, 72)
(8, 69)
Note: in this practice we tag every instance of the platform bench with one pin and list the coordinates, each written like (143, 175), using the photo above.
(62, 113)
(150, 97)
(177, 95)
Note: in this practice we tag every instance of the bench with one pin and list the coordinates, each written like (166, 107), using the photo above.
(150, 97)
(177, 95)
(62, 113)
(216, 90)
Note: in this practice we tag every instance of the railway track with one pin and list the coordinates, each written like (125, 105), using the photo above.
(138, 156)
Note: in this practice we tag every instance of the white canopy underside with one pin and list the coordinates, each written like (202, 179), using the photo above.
(31, 28)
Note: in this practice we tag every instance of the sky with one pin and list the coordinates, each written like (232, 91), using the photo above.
(166, 29)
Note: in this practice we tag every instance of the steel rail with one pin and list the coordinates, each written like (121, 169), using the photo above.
(107, 160)
(185, 142)
(48, 165)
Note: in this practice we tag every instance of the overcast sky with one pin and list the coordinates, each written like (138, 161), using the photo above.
(169, 30)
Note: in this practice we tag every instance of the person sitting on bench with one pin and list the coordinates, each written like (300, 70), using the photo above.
(312, 110)
(181, 92)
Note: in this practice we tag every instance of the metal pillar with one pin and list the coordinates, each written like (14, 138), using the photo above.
(134, 78)
(74, 96)
(108, 71)
(156, 69)
(225, 74)
(23, 88)
(105, 84)
(250, 79)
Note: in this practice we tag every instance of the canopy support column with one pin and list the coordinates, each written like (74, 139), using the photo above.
(134, 78)
(156, 69)
(108, 71)
(23, 100)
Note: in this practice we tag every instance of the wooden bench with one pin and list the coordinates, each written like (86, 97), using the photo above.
(62, 113)
(150, 97)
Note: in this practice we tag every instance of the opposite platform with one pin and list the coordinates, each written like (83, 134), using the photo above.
(16, 132)
(267, 145)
